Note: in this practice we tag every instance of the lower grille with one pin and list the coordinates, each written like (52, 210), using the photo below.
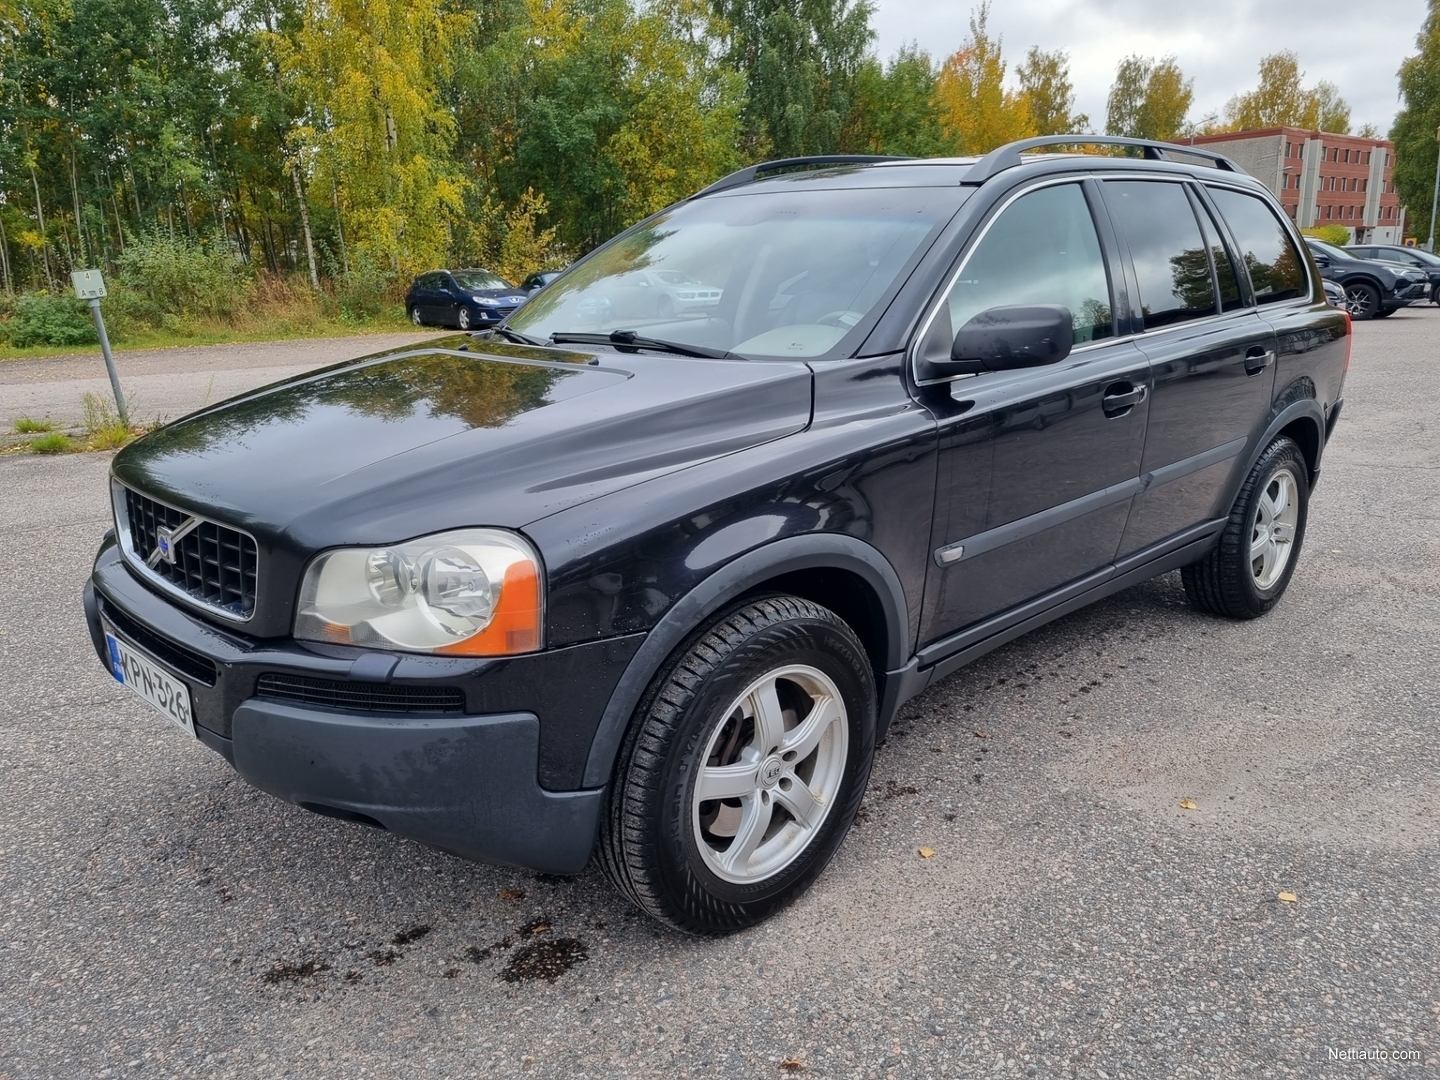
(361, 697)
(192, 664)
(213, 563)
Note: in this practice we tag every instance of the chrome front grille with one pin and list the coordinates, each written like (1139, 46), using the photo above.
(213, 564)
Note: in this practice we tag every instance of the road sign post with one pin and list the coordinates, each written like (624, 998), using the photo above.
(90, 287)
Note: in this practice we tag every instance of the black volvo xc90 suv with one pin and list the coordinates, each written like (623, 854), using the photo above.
(603, 584)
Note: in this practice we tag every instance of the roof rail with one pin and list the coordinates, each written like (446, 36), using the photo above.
(752, 172)
(1008, 156)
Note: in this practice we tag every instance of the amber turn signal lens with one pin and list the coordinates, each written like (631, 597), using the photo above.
(515, 626)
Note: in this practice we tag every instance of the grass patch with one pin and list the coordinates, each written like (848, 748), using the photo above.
(104, 430)
(28, 425)
(281, 322)
(57, 442)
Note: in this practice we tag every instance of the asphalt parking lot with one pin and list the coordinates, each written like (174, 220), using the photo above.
(160, 918)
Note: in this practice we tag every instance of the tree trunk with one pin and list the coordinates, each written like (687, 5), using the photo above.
(75, 198)
(119, 225)
(305, 222)
(44, 243)
(340, 227)
(5, 260)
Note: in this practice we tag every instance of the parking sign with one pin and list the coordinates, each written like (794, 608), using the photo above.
(89, 285)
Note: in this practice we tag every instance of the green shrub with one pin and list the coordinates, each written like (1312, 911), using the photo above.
(168, 281)
(364, 292)
(1338, 235)
(42, 319)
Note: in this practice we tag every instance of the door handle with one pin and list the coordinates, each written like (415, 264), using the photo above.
(1117, 402)
(1257, 360)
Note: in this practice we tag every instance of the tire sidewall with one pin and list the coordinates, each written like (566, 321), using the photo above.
(1283, 454)
(798, 641)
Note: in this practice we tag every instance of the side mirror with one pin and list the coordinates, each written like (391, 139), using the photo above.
(1321, 260)
(1006, 338)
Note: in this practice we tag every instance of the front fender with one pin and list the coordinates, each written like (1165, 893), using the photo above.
(832, 551)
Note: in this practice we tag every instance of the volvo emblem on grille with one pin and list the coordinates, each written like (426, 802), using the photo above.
(166, 539)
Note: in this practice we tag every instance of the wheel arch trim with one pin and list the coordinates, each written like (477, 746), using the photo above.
(1306, 408)
(829, 551)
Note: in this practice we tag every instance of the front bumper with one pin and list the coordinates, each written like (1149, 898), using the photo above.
(497, 780)
(1415, 293)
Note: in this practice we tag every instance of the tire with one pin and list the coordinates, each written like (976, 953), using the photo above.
(673, 854)
(415, 317)
(1435, 296)
(665, 307)
(1385, 313)
(1361, 300)
(1232, 580)
(462, 319)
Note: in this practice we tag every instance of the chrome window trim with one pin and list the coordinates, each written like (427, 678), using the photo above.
(121, 514)
(913, 352)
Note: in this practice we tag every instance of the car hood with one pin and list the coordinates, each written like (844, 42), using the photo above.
(456, 433)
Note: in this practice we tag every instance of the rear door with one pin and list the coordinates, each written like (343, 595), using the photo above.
(430, 300)
(1037, 466)
(1211, 358)
(1309, 334)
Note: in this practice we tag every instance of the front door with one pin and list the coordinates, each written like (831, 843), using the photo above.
(1038, 466)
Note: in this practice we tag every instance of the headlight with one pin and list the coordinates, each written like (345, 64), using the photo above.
(487, 301)
(472, 592)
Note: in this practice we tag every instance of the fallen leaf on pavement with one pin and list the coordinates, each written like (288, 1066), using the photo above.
(1286, 897)
(1188, 804)
(926, 852)
(791, 1065)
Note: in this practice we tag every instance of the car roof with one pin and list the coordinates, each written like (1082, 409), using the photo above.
(870, 171)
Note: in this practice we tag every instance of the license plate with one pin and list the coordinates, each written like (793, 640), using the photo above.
(143, 674)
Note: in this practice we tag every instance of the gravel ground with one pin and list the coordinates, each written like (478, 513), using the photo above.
(162, 384)
(161, 918)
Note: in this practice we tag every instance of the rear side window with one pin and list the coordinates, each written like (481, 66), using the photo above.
(1042, 249)
(1275, 268)
(1171, 265)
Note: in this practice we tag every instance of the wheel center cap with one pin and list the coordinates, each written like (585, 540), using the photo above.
(771, 771)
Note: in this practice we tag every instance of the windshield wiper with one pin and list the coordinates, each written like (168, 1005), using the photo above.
(517, 337)
(629, 341)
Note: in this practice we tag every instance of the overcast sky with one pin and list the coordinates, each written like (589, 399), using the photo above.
(1219, 43)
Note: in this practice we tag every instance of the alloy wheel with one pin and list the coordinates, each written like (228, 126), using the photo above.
(415, 317)
(1360, 301)
(1272, 534)
(463, 319)
(770, 774)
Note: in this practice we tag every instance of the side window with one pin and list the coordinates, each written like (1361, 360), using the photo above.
(1171, 265)
(1043, 249)
(1276, 270)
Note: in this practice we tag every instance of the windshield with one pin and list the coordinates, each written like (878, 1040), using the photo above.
(480, 279)
(767, 274)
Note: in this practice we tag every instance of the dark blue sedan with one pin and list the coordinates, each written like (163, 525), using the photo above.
(461, 298)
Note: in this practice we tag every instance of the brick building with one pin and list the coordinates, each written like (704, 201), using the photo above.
(1322, 178)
